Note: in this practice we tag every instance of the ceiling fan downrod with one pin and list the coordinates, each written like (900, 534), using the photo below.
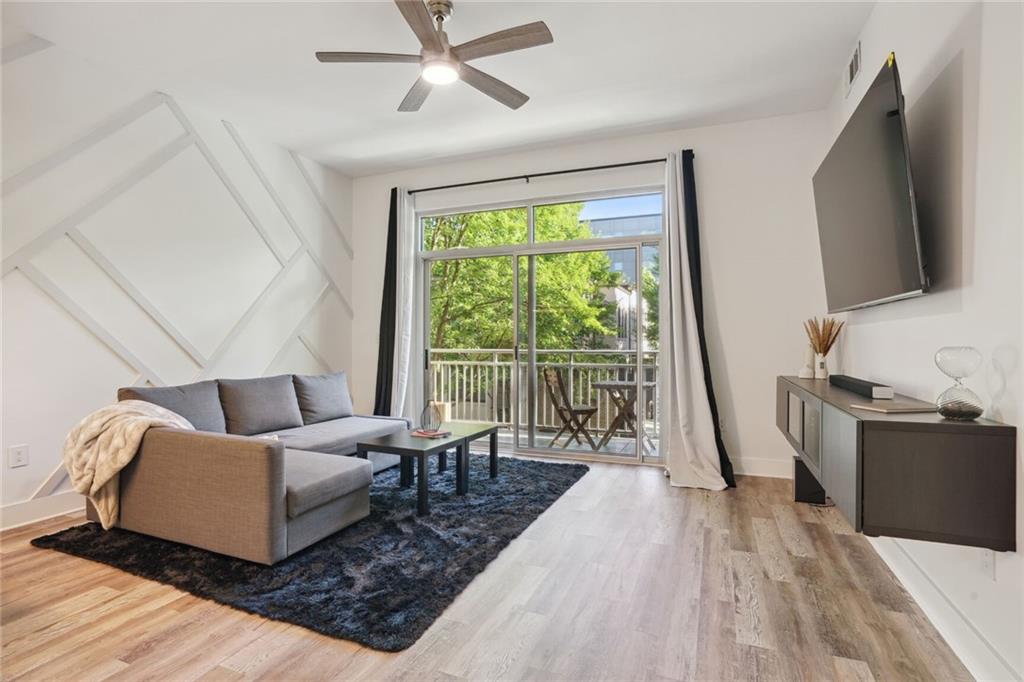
(441, 10)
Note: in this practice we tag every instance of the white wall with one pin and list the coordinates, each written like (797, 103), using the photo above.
(960, 67)
(759, 245)
(146, 242)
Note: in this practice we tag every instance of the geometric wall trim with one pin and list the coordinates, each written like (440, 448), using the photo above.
(30, 45)
(21, 258)
(297, 335)
(73, 217)
(286, 212)
(105, 129)
(323, 205)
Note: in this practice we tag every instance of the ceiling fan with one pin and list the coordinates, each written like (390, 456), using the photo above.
(442, 63)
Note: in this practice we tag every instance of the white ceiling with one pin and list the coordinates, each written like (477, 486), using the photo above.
(614, 67)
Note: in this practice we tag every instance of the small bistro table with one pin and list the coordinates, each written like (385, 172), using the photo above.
(410, 448)
(623, 395)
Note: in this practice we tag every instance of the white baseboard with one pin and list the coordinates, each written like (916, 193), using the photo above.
(29, 511)
(977, 653)
(762, 466)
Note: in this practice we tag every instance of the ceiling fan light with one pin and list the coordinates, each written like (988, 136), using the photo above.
(440, 72)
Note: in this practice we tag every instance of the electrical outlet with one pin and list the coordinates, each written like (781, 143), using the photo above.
(17, 456)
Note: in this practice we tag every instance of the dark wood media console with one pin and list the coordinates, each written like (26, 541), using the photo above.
(912, 475)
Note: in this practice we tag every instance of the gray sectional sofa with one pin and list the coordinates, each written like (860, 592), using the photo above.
(230, 487)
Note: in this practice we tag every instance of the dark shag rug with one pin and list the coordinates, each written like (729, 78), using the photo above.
(380, 582)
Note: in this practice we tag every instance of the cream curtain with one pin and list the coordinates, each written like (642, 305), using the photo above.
(688, 431)
(407, 397)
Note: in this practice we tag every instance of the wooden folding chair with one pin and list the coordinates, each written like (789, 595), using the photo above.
(574, 417)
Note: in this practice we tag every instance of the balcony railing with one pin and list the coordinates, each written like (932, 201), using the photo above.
(476, 384)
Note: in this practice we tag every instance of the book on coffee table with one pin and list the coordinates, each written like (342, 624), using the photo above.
(430, 433)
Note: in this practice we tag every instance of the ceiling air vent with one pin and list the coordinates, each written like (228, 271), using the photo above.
(853, 69)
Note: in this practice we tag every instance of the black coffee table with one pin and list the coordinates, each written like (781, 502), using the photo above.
(410, 447)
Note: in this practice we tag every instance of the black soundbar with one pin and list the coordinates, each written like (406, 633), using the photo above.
(868, 389)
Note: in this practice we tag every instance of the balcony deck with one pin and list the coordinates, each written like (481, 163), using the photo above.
(619, 446)
(482, 384)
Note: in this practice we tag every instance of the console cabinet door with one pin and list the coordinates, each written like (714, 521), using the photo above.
(795, 422)
(812, 436)
(798, 416)
(840, 452)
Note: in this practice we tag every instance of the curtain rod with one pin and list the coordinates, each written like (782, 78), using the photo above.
(529, 176)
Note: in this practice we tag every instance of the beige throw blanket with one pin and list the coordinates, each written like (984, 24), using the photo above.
(104, 443)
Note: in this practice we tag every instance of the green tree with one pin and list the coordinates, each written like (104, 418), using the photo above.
(650, 289)
(471, 299)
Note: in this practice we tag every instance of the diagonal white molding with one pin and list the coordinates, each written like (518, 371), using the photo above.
(86, 320)
(230, 186)
(101, 261)
(306, 247)
(314, 352)
(105, 129)
(323, 204)
(24, 49)
(121, 185)
(225, 345)
(52, 482)
(297, 329)
(330, 279)
(68, 225)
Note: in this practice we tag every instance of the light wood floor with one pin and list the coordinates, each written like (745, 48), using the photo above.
(623, 578)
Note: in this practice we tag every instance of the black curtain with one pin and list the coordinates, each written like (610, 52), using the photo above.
(693, 252)
(386, 347)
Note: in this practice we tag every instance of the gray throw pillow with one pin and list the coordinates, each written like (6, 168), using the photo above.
(259, 405)
(199, 403)
(323, 396)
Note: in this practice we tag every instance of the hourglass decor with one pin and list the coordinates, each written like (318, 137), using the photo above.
(958, 402)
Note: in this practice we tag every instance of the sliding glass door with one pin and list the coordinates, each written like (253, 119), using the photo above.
(544, 319)
(581, 333)
(470, 342)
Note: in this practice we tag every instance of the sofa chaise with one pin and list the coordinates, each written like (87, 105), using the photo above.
(266, 472)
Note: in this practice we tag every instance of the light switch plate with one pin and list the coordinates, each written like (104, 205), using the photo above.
(17, 456)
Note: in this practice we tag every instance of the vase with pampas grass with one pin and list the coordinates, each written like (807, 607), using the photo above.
(822, 336)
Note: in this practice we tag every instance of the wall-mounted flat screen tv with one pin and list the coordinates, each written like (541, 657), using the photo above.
(864, 198)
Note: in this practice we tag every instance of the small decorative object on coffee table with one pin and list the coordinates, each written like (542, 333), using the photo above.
(430, 418)
(823, 336)
(959, 403)
(412, 447)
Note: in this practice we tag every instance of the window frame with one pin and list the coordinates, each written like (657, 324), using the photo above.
(531, 246)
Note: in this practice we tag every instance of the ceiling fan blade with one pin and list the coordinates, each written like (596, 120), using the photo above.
(509, 40)
(416, 95)
(492, 87)
(421, 23)
(357, 57)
